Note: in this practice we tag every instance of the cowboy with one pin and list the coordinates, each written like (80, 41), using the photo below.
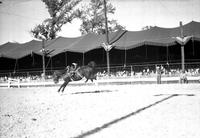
(73, 69)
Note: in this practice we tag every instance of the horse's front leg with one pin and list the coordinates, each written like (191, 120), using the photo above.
(86, 80)
(60, 87)
(64, 85)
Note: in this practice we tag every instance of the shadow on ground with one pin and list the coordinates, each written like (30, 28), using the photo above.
(175, 94)
(90, 92)
(108, 124)
(93, 92)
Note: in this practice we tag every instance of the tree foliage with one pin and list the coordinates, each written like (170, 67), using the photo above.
(93, 18)
(61, 12)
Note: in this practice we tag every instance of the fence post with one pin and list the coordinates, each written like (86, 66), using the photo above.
(18, 83)
(9, 82)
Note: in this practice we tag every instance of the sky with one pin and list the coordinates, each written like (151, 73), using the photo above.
(18, 17)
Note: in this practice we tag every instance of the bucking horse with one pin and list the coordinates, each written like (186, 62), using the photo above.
(87, 71)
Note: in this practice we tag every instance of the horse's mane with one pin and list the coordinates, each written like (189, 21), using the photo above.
(59, 72)
(92, 64)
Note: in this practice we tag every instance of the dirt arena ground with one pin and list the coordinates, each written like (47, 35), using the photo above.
(117, 111)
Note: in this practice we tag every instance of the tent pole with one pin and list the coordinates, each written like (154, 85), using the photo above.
(15, 68)
(193, 52)
(43, 59)
(66, 59)
(146, 56)
(83, 59)
(108, 62)
(51, 64)
(107, 38)
(48, 63)
(102, 59)
(167, 54)
(33, 63)
(125, 57)
(182, 49)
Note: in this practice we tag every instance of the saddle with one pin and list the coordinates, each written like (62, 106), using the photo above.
(75, 74)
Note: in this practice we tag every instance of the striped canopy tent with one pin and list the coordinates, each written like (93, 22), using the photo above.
(57, 45)
(80, 44)
(17, 50)
(157, 36)
(7, 47)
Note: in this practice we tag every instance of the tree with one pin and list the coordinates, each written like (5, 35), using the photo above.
(93, 19)
(61, 12)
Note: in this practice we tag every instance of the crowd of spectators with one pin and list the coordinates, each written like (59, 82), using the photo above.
(22, 78)
(117, 73)
(147, 72)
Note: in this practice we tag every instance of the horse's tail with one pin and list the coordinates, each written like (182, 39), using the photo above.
(57, 75)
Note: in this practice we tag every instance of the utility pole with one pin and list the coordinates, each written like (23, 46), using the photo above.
(107, 39)
(182, 49)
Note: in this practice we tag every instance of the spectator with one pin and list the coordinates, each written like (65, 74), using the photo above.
(183, 77)
(158, 74)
